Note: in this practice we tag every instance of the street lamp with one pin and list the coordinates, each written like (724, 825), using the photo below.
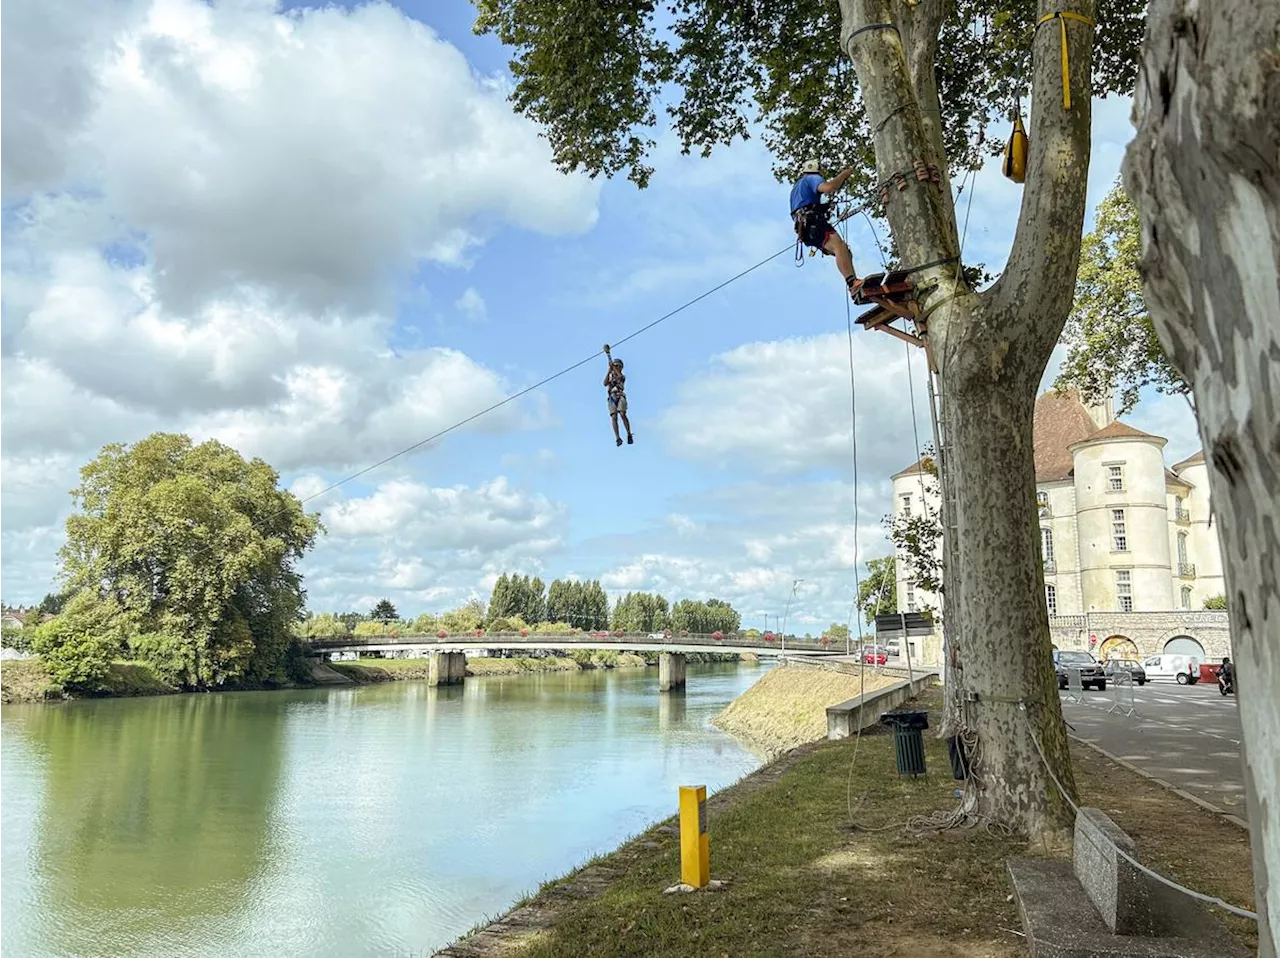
(787, 612)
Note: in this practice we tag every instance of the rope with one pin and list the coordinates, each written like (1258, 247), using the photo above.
(1150, 873)
(1062, 16)
(870, 26)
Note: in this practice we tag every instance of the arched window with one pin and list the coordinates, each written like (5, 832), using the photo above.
(1051, 599)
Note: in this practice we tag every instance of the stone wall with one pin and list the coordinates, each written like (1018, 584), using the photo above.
(1148, 631)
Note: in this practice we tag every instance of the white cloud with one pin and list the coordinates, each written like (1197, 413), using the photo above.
(471, 304)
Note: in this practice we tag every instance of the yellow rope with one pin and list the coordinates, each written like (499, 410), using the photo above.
(1062, 17)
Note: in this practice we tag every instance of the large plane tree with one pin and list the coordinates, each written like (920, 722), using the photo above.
(883, 85)
(1204, 172)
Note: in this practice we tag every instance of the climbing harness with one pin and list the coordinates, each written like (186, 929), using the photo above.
(1015, 151)
(1062, 16)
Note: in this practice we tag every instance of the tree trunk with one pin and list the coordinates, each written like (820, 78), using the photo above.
(991, 350)
(1204, 172)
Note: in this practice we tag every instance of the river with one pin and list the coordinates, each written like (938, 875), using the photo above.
(380, 820)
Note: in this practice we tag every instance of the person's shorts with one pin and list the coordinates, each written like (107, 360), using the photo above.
(618, 405)
(813, 230)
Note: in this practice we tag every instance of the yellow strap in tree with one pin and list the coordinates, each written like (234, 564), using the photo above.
(1062, 17)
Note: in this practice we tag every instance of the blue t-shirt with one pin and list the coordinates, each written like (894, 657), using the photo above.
(805, 192)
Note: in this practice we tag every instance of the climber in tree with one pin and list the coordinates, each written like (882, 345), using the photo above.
(615, 383)
(812, 222)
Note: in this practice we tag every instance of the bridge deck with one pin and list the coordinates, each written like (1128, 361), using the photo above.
(639, 643)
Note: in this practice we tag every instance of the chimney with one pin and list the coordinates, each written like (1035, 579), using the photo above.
(1103, 413)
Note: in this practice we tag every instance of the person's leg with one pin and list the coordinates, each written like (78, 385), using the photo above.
(838, 248)
(613, 419)
(625, 421)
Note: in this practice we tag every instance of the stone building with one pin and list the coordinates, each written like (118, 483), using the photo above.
(1120, 531)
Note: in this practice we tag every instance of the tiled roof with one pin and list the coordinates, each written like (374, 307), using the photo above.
(1193, 461)
(1120, 430)
(1171, 476)
(1061, 420)
(915, 468)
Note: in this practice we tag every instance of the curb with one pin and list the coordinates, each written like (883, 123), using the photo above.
(1181, 793)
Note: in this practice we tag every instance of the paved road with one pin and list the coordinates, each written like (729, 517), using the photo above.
(1187, 735)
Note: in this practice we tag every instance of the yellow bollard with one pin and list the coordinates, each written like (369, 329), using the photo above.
(695, 846)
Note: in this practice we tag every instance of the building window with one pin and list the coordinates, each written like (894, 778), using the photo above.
(1051, 599)
(1046, 548)
(1124, 590)
(1182, 548)
(1180, 513)
(1115, 478)
(1119, 541)
(906, 505)
(1186, 596)
(1042, 502)
(911, 596)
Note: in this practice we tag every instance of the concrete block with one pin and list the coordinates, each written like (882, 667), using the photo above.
(670, 671)
(446, 668)
(1117, 889)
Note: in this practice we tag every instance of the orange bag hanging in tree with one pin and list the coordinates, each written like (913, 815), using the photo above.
(1015, 151)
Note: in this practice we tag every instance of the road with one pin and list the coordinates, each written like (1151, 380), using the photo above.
(1189, 736)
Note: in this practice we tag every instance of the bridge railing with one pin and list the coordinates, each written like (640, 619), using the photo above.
(703, 641)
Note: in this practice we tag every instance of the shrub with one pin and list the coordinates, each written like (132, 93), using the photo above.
(78, 646)
(717, 635)
(17, 639)
(442, 634)
(524, 633)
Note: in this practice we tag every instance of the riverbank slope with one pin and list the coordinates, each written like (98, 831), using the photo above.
(787, 707)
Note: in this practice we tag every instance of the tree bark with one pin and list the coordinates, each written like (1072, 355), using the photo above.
(991, 350)
(1204, 171)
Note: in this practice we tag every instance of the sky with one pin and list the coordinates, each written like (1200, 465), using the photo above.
(322, 234)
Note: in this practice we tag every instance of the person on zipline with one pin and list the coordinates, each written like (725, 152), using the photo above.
(615, 383)
(812, 223)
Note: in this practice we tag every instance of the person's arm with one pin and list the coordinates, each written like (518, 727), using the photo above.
(837, 181)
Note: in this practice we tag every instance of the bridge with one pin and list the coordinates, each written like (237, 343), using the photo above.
(448, 662)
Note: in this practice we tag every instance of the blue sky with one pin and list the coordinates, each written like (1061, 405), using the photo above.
(325, 237)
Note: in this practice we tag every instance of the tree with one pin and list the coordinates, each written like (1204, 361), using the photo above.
(591, 73)
(878, 592)
(326, 624)
(1109, 336)
(1204, 173)
(383, 611)
(703, 618)
(78, 646)
(641, 612)
(53, 603)
(838, 631)
(466, 618)
(351, 619)
(197, 548)
(918, 537)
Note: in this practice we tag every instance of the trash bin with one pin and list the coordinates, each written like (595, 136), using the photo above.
(959, 758)
(908, 743)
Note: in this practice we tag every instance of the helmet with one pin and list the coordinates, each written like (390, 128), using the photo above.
(618, 363)
(811, 166)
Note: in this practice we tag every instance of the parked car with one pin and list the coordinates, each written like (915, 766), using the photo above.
(893, 648)
(874, 655)
(1091, 673)
(1132, 666)
(1183, 669)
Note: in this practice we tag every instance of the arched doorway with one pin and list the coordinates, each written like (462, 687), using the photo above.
(1184, 645)
(1117, 647)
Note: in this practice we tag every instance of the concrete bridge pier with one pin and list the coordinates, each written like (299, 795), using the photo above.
(670, 671)
(447, 668)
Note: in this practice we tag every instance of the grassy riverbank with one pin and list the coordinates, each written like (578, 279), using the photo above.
(801, 881)
(26, 680)
(368, 670)
(788, 706)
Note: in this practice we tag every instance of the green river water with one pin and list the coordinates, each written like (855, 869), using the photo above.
(378, 820)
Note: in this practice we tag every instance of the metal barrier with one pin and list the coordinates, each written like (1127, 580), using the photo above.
(1122, 692)
(1075, 685)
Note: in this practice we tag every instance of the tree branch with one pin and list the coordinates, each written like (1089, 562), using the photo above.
(1040, 275)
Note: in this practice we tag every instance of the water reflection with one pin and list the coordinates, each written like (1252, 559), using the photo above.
(338, 822)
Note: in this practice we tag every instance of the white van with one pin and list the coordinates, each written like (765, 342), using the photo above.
(1184, 669)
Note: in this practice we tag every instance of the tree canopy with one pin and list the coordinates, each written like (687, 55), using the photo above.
(518, 597)
(188, 551)
(641, 612)
(713, 615)
(878, 592)
(384, 611)
(1111, 342)
(598, 75)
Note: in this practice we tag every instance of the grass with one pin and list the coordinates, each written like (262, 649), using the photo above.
(788, 707)
(26, 680)
(800, 881)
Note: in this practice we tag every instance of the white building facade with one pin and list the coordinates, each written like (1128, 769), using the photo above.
(1120, 531)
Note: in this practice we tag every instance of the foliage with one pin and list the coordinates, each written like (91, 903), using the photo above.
(197, 548)
(518, 596)
(1216, 602)
(53, 603)
(425, 624)
(351, 619)
(704, 617)
(77, 647)
(592, 75)
(641, 612)
(1110, 339)
(384, 612)
(838, 630)
(324, 625)
(17, 639)
(918, 537)
(582, 604)
(466, 618)
(512, 624)
(878, 592)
